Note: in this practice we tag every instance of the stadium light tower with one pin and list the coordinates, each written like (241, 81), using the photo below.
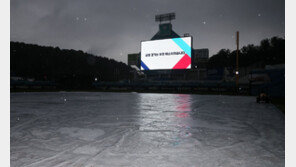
(165, 17)
(237, 56)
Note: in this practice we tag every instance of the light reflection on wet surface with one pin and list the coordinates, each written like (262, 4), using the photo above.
(168, 120)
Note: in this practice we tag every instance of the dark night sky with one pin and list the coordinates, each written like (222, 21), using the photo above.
(115, 28)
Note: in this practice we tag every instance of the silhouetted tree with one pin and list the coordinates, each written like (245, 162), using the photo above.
(270, 52)
(69, 68)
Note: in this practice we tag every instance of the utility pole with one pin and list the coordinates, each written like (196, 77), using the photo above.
(237, 68)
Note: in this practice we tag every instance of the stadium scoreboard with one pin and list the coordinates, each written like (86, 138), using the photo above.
(166, 54)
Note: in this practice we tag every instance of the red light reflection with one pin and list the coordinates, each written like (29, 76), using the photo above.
(182, 115)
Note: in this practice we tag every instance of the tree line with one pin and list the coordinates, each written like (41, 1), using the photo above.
(269, 52)
(69, 68)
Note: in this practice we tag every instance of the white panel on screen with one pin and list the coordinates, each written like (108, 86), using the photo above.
(166, 54)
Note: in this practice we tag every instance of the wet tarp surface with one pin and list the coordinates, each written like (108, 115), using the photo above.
(132, 129)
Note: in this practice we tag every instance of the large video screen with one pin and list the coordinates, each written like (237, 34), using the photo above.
(166, 54)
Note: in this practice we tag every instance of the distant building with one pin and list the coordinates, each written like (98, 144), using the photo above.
(201, 57)
(134, 59)
(165, 31)
(199, 62)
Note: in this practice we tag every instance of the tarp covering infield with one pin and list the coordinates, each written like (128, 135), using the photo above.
(95, 129)
(166, 54)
